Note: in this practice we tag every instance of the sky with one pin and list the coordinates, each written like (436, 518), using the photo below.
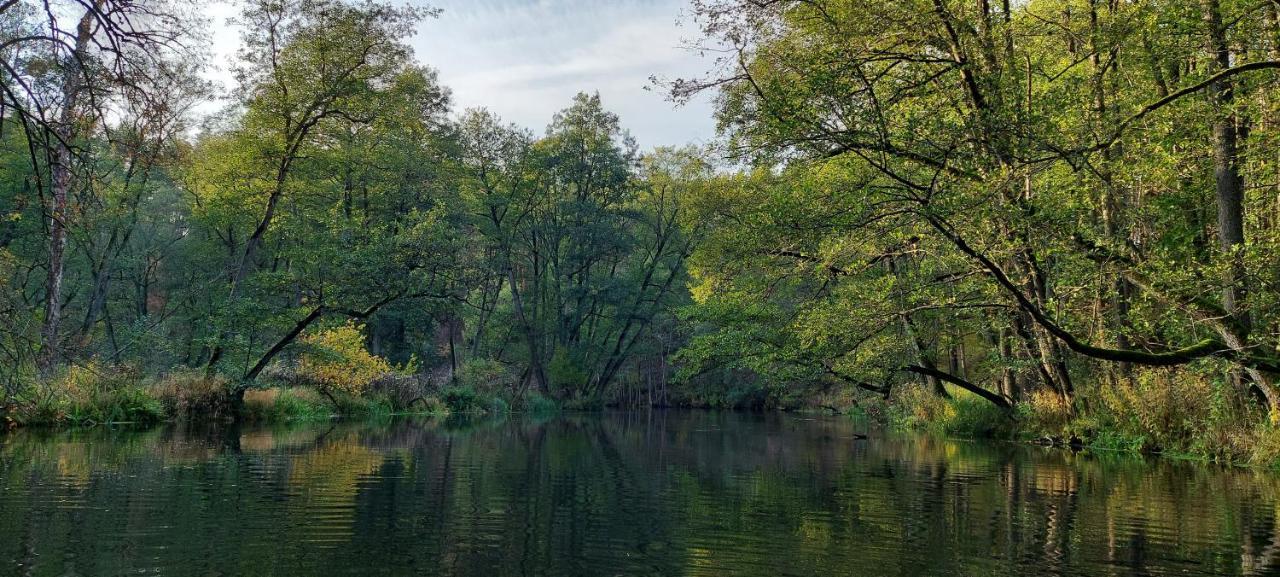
(525, 59)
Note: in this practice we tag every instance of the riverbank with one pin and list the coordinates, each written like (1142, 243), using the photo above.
(1151, 414)
(92, 395)
(1131, 418)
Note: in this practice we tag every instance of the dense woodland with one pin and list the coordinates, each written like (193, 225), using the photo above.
(1057, 217)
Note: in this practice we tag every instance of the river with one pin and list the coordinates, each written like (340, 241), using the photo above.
(646, 493)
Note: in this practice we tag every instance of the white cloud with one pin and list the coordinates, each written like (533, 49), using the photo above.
(525, 59)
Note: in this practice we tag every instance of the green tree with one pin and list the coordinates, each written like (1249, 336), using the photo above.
(1037, 186)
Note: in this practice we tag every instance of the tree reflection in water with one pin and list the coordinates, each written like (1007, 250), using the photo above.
(660, 493)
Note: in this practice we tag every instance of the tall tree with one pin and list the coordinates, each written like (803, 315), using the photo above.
(95, 50)
(974, 128)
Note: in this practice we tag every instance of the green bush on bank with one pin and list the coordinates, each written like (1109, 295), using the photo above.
(964, 415)
(1186, 413)
(464, 399)
(88, 394)
(279, 404)
(91, 394)
(537, 404)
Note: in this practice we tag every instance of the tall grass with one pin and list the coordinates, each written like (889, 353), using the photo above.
(964, 415)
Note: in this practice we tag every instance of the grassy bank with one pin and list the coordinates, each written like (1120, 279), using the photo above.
(92, 394)
(1183, 414)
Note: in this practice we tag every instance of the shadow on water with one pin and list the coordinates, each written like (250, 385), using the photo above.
(646, 493)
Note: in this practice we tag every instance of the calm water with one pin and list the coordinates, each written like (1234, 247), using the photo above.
(634, 494)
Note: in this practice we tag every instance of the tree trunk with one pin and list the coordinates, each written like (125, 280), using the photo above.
(73, 84)
(1228, 185)
(1008, 375)
(537, 373)
(1229, 197)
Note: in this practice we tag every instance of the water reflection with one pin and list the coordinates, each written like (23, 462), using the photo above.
(627, 494)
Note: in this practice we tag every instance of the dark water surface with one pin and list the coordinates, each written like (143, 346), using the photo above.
(663, 493)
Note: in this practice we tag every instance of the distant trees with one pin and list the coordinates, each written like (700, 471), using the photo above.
(586, 250)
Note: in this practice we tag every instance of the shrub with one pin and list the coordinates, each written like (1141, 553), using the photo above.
(486, 376)
(375, 406)
(194, 394)
(973, 417)
(430, 405)
(462, 399)
(92, 393)
(1047, 413)
(539, 405)
(291, 404)
(1167, 409)
(565, 373)
(336, 362)
(401, 391)
(964, 416)
(498, 406)
(1263, 446)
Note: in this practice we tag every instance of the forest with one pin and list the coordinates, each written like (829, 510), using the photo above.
(1049, 219)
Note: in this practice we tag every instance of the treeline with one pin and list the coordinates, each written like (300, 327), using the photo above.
(336, 192)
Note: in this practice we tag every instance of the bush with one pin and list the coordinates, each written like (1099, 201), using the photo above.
(430, 405)
(1048, 414)
(401, 391)
(462, 399)
(539, 405)
(486, 376)
(291, 404)
(1165, 409)
(1263, 446)
(963, 416)
(374, 406)
(565, 373)
(336, 362)
(88, 394)
(194, 394)
(972, 417)
(498, 406)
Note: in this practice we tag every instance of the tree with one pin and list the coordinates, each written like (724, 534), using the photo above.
(317, 75)
(588, 246)
(60, 80)
(1034, 173)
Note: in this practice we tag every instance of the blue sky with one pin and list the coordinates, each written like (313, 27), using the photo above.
(525, 59)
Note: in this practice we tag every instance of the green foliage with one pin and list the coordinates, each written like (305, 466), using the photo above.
(338, 187)
(290, 404)
(430, 406)
(965, 416)
(465, 400)
(536, 404)
(366, 407)
(90, 394)
(565, 375)
(915, 189)
(488, 376)
(963, 195)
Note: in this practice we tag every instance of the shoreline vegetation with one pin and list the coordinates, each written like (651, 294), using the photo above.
(88, 397)
(1052, 219)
